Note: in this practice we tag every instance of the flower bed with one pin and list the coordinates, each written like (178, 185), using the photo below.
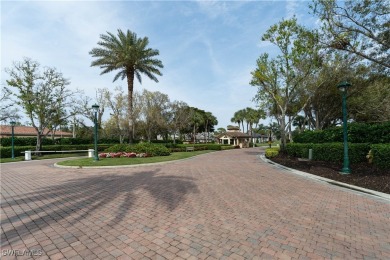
(124, 155)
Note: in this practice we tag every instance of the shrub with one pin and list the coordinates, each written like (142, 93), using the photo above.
(271, 152)
(381, 155)
(74, 141)
(118, 148)
(166, 142)
(5, 152)
(216, 147)
(24, 141)
(333, 152)
(151, 149)
(197, 147)
(357, 133)
(229, 147)
(298, 150)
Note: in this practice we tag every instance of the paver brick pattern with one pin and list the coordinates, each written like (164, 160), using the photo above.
(223, 205)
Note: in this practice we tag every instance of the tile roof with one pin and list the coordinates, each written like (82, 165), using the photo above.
(234, 134)
(5, 130)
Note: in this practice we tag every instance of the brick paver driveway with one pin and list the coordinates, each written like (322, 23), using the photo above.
(223, 205)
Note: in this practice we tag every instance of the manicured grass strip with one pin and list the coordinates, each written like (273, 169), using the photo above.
(45, 156)
(131, 161)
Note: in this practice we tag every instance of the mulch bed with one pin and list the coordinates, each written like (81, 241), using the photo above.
(363, 175)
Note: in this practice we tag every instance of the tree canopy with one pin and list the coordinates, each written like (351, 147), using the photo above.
(359, 27)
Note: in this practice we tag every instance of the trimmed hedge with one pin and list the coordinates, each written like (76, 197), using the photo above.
(24, 141)
(199, 147)
(6, 152)
(27, 141)
(357, 133)
(149, 148)
(381, 155)
(332, 152)
(229, 147)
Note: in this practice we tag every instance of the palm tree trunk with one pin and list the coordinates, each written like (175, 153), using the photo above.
(130, 88)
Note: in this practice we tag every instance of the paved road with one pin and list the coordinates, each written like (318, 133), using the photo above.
(223, 205)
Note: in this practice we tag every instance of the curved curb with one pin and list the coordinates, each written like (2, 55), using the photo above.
(329, 181)
(128, 166)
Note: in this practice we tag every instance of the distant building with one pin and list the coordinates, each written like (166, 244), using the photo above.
(233, 136)
(29, 131)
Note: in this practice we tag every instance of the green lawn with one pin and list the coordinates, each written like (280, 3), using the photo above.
(130, 161)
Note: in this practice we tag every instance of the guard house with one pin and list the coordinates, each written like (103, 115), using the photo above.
(233, 136)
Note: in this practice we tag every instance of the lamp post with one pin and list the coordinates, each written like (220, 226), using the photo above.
(343, 86)
(96, 109)
(13, 123)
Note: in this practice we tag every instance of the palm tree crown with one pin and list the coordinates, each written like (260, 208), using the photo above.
(131, 56)
(128, 54)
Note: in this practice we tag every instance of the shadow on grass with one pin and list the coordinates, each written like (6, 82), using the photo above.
(78, 199)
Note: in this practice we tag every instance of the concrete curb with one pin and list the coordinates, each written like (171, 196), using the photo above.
(329, 181)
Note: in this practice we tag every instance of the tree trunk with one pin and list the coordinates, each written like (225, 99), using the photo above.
(317, 120)
(149, 134)
(205, 141)
(282, 132)
(39, 144)
(130, 88)
(194, 137)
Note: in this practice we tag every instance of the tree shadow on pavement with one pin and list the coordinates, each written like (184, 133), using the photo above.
(77, 199)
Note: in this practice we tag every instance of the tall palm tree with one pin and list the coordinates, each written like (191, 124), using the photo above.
(235, 119)
(131, 56)
(239, 117)
(209, 122)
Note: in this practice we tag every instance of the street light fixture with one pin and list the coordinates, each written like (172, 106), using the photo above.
(343, 86)
(12, 123)
(95, 109)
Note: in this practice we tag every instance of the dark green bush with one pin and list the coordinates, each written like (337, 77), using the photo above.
(24, 141)
(357, 133)
(229, 147)
(6, 152)
(197, 147)
(75, 141)
(381, 155)
(166, 142)
(216, 147)
(119, 148)
(298, 150)
(333, 152)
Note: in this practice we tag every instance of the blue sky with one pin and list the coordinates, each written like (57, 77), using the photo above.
(208, 48)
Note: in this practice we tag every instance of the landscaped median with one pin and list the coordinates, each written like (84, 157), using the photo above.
(141, 153)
